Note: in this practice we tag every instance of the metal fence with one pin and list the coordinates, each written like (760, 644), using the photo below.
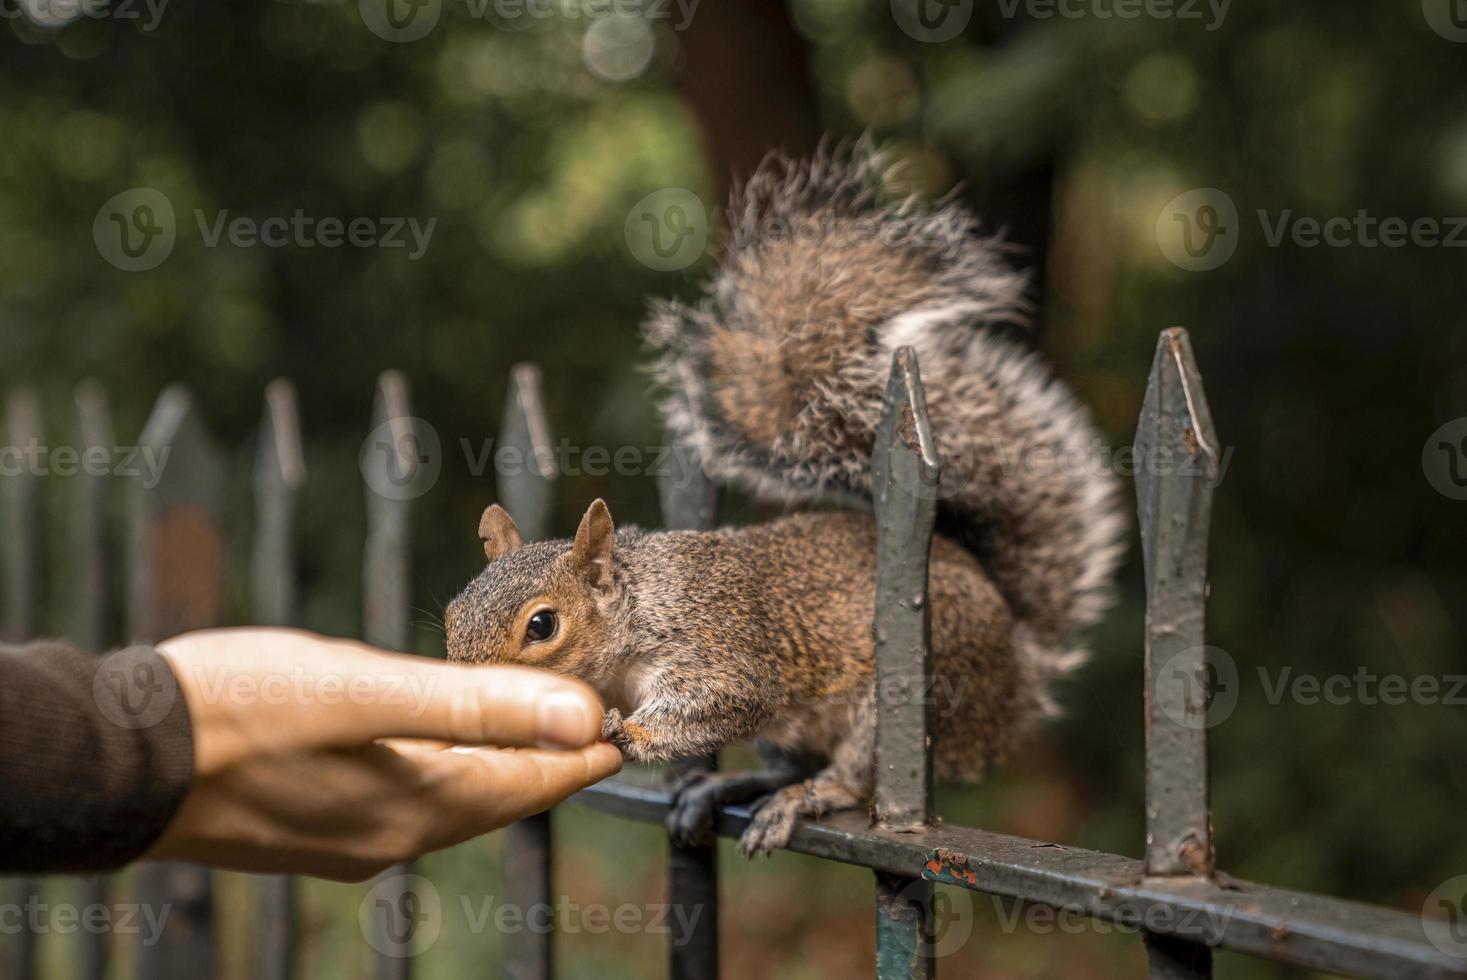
(1187, 908)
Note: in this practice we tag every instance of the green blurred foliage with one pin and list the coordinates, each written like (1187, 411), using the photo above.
(1327, 367)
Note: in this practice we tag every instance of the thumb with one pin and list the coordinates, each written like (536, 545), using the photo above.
(503, 706)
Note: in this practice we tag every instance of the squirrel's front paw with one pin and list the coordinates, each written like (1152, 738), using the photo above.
(628, 736)
(613, 728)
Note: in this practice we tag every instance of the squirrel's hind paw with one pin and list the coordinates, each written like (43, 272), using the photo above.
(774, 816)
(697, 799)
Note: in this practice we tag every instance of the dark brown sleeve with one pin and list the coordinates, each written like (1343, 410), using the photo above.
(96, 754)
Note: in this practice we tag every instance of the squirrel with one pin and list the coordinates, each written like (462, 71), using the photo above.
(775, 377)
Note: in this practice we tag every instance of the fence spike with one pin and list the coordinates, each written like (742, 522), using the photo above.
(177, 558)
(19, 554)
(1176, 449)
(279, 473)
(21, 549)
(689, 502)
(525, 471)
(525, 476)
(905, 471)
(390, 466)
(92, 625)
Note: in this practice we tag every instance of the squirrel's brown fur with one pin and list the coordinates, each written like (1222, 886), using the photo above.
(776, 378)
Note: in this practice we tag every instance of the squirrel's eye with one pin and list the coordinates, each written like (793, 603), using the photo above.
(541, 626)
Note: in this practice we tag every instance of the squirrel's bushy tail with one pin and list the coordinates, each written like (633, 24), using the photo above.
(776, 377)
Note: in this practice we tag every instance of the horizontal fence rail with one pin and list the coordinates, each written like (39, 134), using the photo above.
(1172, 894)
(1293, 927)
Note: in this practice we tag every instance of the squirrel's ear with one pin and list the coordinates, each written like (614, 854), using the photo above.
(595, 539)
(498, 531)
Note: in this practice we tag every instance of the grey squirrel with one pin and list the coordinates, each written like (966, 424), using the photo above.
(776, 376)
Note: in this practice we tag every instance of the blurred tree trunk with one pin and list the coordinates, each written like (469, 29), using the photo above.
(743, 69)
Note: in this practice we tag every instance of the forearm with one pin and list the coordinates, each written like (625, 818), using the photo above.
(95, 756)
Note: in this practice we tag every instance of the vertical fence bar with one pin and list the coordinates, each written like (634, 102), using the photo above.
(689, 502)
(178, 580)
(1176, 449)
(279, 472)
(21, 546)
(19, 552)
(91, 629)
(391, 463)
(905, 472)
(525, 469)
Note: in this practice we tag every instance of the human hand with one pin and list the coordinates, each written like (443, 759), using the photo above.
(326, 757)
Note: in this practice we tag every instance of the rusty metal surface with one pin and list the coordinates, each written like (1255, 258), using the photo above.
(1321, 933)
(279, 473)
(689, 502)
(1176, 444)
(905, 473)
(904, 929)
(387, 602)
(1174, 500)
(177, 561)
(525, 471)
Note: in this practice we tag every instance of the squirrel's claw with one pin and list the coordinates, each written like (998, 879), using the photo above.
(697, 799)
(773, 821)
(614, 730)
(612, 725)
(690, 816)
(774, 816)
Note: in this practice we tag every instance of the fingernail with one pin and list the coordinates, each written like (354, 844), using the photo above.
(565, 721)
